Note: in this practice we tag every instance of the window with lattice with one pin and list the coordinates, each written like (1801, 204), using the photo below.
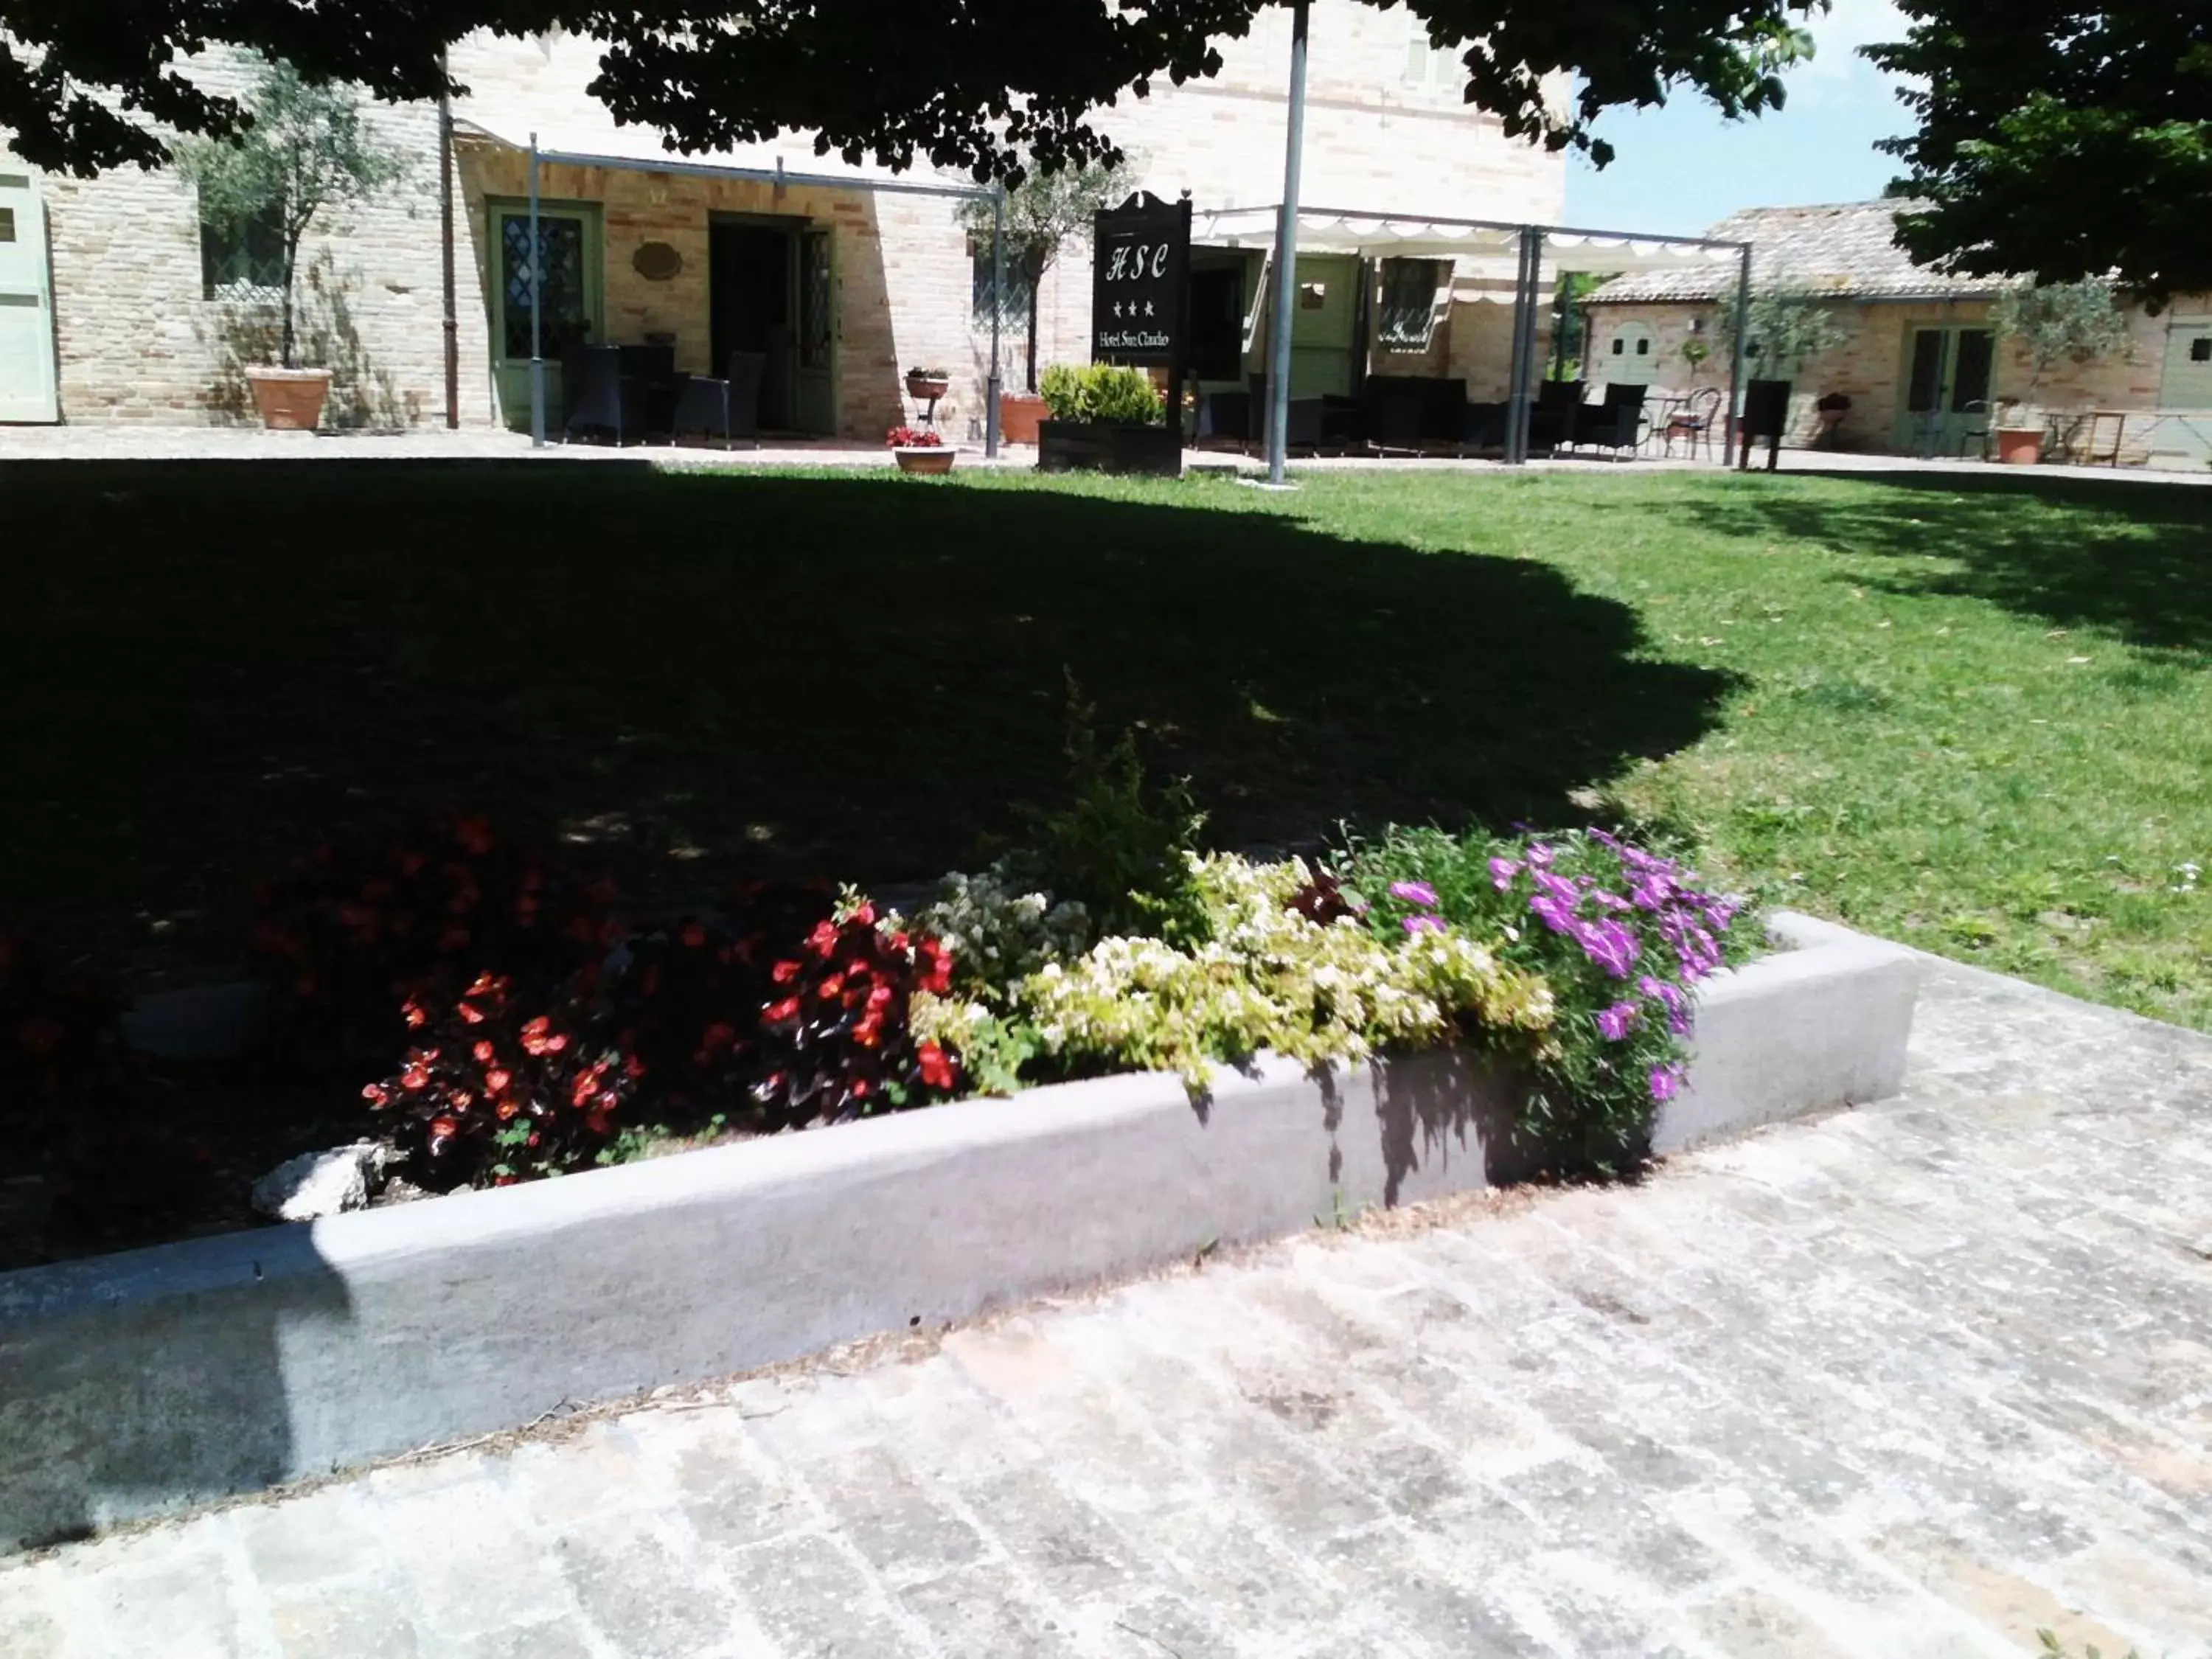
(241, 254)
(1408, 320)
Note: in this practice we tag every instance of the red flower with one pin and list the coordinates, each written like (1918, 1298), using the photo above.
(865, 916)
(718, 1036)
(483, 1052)
(784, 972)
(376, 1094)
(694, 936)
(497, 1080)
(936, 1070)
(414, 1078)
(828, 988)
(417, 1015)
(444, 1128)
(507, 1109)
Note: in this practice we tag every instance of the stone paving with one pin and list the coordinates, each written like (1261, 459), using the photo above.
(1904, 1382)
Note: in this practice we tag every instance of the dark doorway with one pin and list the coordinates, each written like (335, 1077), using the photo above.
(750, 274)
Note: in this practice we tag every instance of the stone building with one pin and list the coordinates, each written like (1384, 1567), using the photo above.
(1925, 372)
(153, 315)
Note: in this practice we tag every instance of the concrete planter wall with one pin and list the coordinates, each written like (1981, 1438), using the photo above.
(134, 1383)
(1109, 446)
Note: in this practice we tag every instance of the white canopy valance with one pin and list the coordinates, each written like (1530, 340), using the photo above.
(1378, 235)
(789, 158)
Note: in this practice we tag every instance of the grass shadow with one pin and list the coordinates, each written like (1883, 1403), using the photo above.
(211, 667)
(2130, 556)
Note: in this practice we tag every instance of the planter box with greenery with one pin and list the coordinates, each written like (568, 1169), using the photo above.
(1107, 419)
(308, 149)
(1191, 1046)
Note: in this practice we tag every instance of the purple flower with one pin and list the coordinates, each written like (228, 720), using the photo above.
(1540, 856)
(1670, 998)
(1423, 925)
(1666, 1082)
(1414, 892)
(1559, 918)
(1614, 1024)
(1608, 944)
(1502, 871)
(1558, 887)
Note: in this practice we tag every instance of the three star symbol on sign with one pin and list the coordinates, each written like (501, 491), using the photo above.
(1131, 309)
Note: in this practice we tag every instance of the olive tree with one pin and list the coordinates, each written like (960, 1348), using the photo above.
(306, 150)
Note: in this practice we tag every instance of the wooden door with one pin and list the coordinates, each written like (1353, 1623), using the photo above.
(570, 308)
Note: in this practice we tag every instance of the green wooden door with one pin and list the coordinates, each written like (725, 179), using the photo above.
(1326, 325)
(27, 306)
(817, 332)
(572, 308)
(1946, 391)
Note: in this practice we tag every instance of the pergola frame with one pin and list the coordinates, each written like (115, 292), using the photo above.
(1530, 240)
(540, 158)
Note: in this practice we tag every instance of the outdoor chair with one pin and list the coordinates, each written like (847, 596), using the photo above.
(1973, 432)
(1695, 421)
(599, 396)
(1616, 423)
(1307, 425)
(1552, 423)
(1482, 426)
(729, 407)
(1766, 416)
(1226, 416)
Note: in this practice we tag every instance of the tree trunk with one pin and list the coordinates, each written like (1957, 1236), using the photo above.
(1033, 337)
(289, 349)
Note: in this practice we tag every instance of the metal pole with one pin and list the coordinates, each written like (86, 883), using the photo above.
(452, 318)
(537, 312)
(998, 306)
(1286, 255)
(1516, 415)
(1730, 437)
(1531, 364)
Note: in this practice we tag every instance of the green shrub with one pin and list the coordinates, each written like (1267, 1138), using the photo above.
(1101, 393)
(1267, 976)
(1120, 848)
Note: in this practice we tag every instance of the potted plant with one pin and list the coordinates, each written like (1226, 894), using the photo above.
(1830, 408)
(1108, 418)
(920, 449)
(2049, 324)
(1039, 218)
(927, 385)
(308, 149)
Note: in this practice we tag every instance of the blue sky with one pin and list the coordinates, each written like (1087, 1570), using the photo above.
(1680, 167)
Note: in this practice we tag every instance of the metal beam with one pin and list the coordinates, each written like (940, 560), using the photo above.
(537, 311)
(1286, 257)
(998, 308)
(1731, 433)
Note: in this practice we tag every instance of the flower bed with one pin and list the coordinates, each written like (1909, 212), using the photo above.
(498, 1023)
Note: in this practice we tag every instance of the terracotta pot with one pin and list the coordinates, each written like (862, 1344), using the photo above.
(289, 399)
(1018, 415)
(929, 459)
(2020, 446)
(924, 386)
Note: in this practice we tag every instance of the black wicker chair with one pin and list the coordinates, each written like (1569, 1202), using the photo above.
(1616, 423)
(598, 397)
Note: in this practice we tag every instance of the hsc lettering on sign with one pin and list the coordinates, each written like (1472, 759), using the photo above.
(1138, 274)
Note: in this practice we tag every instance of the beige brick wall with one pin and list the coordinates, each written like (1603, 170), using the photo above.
(1872, 365)
(138, 341)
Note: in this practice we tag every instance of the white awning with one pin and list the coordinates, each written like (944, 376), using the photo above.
(790, 156)
(1493, 250)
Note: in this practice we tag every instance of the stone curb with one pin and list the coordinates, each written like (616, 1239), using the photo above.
(138, 1383)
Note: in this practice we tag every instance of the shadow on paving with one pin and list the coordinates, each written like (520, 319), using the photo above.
(2133, 557)
(210, 667)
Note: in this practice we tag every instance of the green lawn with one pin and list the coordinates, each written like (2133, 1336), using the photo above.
(1972, 713)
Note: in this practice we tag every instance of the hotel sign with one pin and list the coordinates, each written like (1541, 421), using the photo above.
(1139, 276)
